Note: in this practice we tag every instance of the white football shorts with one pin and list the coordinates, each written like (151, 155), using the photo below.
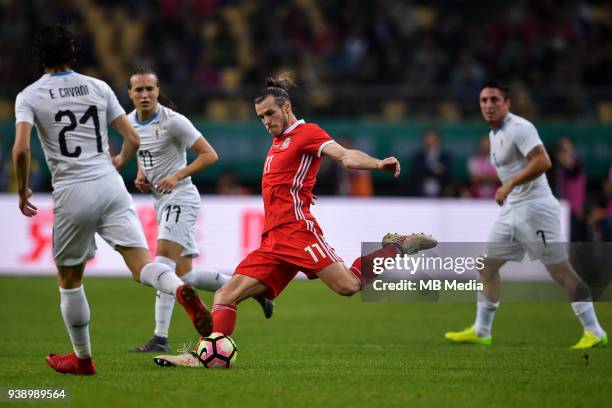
(177, 215)
(81, 209)
(534, 227)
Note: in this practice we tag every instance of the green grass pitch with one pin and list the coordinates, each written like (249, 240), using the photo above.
(319, 349)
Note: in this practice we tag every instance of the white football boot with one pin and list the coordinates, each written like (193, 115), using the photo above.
(410, 244)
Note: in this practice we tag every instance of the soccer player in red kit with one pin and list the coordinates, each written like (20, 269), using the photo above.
(292, 240)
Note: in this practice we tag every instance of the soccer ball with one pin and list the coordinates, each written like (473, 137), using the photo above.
(216, 350)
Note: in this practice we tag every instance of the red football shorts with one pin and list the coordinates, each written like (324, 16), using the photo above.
(285, 251)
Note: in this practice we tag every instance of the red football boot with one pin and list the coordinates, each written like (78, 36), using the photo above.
(71, 364)
(198, 313)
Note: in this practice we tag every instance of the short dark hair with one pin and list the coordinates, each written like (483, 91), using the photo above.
(278, 87)
(494, 83)
(55, 47)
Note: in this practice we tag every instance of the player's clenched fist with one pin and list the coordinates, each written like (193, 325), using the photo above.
(390, 165)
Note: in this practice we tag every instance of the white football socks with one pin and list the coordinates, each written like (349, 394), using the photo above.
(161, 276)
(75, 311)
(206, 280)
(164, 304)
(485, 312)
(586, 314)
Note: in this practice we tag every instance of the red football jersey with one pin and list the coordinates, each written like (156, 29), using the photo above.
(290, 172)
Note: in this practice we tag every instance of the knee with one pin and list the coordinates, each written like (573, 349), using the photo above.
(181, 270)
(70, 277)
(488, 272)
(68, 282)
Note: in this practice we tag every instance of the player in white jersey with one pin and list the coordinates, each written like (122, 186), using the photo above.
(165, 137)
(529, 221)
(71, 112)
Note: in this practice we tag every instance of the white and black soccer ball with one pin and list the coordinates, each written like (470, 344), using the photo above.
(216, 350)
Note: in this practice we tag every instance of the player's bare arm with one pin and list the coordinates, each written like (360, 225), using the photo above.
(131, 141)
(356, 159)
(21, 161)
(207, 156)
(538, 163)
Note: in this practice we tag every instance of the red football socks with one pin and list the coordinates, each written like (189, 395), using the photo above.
(224, 318)
(362, 267)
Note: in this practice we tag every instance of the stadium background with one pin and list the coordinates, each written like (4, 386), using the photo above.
(380, 73)
(377, 76)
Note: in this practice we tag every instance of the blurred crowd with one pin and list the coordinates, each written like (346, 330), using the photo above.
(375, 58)
(430, 176)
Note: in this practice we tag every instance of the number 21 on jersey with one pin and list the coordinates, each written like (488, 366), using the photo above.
(91, 113)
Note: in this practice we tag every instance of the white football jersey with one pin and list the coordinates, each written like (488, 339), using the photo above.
(164, 140)
(510, 145)
(70, 112)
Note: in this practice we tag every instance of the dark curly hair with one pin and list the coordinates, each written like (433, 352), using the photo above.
(55, 47)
